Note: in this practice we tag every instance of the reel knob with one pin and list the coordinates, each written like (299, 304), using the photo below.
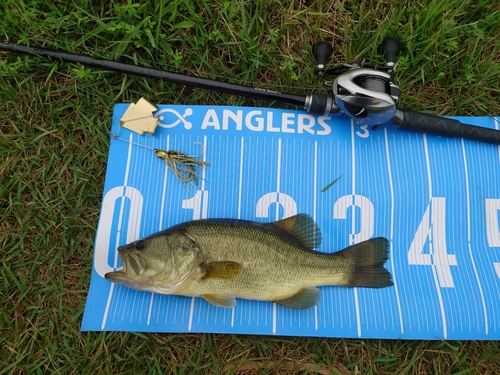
(322, 51)
(390, 48)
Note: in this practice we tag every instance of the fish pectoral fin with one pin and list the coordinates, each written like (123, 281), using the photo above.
(220, 300)
(222, 270)
(302, 300)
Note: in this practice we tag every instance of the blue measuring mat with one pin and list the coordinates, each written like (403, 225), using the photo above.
(437, 201)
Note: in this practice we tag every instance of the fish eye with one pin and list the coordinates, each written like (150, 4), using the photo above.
(140, 245)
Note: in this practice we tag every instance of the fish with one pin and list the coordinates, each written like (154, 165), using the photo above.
(224, 259)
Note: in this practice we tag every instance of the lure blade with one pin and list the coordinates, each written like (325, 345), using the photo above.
(139, 117)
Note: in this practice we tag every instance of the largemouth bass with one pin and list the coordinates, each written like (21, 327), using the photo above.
(224, 259)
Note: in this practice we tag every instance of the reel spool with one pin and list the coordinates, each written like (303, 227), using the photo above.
(368, 96)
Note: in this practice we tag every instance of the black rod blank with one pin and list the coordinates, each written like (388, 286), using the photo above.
(182, 79)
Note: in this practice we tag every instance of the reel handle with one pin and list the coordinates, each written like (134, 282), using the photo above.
(390, 48)
(422, 123)
(322, 51)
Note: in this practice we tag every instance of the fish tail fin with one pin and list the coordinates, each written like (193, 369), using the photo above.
(368, 260)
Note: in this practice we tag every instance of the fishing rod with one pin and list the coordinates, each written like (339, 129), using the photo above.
(364, 93)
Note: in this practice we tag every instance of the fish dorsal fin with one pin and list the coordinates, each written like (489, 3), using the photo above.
(223, 270)
(304, 299)
(303, 228)
(220, 300)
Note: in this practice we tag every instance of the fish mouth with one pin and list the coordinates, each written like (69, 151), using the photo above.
(133, 263)
(133, 274)
(132, 266)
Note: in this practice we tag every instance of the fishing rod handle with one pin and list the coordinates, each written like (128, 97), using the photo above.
(422, 123)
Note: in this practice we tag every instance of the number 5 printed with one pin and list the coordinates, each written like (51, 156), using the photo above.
(493, 227)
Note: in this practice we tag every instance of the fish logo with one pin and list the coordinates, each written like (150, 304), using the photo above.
(165, 116)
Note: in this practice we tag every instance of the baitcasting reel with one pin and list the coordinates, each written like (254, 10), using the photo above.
(369, 97)
(364, 93)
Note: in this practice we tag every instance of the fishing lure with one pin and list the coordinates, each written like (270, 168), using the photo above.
(184, 167)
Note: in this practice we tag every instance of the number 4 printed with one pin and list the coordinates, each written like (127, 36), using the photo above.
(432, 230)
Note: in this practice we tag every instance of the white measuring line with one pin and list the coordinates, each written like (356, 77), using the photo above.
(431, 249)
(353, 223)
(391, 230)
(278, 177)
(240, 186)
(120, 222)
(203, 215)
(315, 179)
(467, 195)
(139, 299)
(160, 226)
(240, 190)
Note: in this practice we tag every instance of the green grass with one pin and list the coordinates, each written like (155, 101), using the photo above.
(54, 121)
